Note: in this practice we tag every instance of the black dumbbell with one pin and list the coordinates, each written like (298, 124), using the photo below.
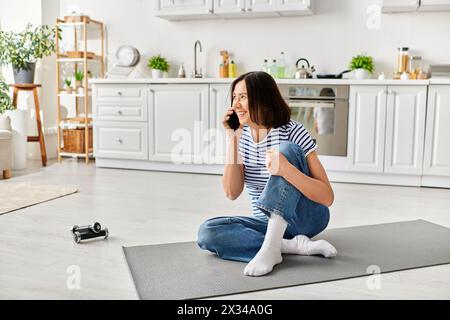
(80, 236)
(95, 228)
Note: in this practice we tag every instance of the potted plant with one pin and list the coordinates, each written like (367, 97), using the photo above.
(158, 64)
(362, 65)
(79, 76)
(23, 49)
(68, 83)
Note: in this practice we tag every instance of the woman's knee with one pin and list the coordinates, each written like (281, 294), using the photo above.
(294, 154)
(206, 234)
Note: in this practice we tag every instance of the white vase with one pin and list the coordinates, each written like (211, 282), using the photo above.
(19, 124)
(361, 74)
(156, 74)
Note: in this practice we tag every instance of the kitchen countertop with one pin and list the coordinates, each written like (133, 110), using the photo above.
(279, 81)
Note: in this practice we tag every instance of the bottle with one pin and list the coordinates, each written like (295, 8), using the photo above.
(273, 69)
(281, 66)
(182, 72)
(402, 59)
(265, 66)
(232, 69)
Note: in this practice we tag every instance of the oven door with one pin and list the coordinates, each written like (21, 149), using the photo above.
(326, 121)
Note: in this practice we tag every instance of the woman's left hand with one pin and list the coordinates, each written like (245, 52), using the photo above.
(276, 162)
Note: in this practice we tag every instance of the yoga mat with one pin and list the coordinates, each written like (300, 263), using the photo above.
(184, 271)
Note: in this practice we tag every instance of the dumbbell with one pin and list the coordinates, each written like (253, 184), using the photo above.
(79, 236)
(95, 228)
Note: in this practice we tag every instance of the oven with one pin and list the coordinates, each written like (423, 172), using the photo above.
(323, 111)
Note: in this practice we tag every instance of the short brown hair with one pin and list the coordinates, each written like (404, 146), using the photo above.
(266, 105)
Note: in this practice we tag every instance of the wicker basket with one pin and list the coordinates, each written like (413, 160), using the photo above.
(74, 140)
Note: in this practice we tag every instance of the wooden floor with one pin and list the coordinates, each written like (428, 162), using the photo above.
(142, 208)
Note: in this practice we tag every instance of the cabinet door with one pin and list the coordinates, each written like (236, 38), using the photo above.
(437, 145)
(224, 7)
(295, 7)
(367, 120)
(178, 123)
(219, 100)
(184, 9)
(405, 129)
(434, 5)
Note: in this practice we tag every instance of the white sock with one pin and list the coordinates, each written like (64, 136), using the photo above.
(302, 245)
(270, 253)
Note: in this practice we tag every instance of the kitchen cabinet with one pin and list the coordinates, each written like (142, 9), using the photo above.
(178, 122)
(219, 100)
(386, 129)
(394, 6)
(437, 150)
(367, 121)
(184, 9)
(196, 9)
(434, 5)
(405, 129)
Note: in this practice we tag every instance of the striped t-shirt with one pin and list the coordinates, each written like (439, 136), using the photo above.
(254, 154)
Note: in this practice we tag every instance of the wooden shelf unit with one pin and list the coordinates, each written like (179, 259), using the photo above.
(80, 28)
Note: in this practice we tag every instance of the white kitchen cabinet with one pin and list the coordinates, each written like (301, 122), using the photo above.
(405, 129)
(184, 9)
(394, 6)
(245, 8)
(367, 120)
(437, 138)
(219, 101)
(178, 122)
(434, 5)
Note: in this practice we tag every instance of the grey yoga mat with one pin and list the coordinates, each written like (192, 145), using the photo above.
(184, 271)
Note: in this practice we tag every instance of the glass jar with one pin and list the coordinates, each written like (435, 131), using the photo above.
(402, 59)
(415, 66)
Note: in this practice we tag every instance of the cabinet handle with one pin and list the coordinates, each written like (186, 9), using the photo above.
(248, 9)
(119, 93)
(243, 9)
(119, 112)
(119, 140)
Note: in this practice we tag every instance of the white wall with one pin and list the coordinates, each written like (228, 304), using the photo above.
(327, 39)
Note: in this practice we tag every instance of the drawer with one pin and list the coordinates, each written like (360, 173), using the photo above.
(121, 92)
(127, 140)
(120, 111)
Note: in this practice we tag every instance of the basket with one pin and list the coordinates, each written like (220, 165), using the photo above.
(74, 140)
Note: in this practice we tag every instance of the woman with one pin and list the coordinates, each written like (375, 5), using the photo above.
(288, 187)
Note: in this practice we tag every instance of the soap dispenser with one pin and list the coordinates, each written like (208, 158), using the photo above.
(181, 71)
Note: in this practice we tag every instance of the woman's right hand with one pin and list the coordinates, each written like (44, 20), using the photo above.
(230, 132)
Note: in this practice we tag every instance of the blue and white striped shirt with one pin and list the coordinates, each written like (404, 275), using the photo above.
(254, 154)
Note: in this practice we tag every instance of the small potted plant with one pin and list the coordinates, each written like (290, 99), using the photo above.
(68, 83)
(22, 50)
(5, 99)
(158, 64)
(79, 76)
(362, 65)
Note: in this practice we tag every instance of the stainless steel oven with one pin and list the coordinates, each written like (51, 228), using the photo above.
(323, 111)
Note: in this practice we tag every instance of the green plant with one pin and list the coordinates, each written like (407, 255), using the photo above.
(20, 49)
(68, 82)
(362, 61)
(5, 99)
(159, 63)
(79, 76)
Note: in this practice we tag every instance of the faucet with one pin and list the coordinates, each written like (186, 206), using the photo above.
(197, 74)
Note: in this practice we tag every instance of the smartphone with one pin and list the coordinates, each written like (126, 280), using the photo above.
(233, 122)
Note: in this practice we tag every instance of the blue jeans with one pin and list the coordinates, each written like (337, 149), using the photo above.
(240, 237)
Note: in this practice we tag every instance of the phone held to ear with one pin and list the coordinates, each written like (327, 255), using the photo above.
(233, 122)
